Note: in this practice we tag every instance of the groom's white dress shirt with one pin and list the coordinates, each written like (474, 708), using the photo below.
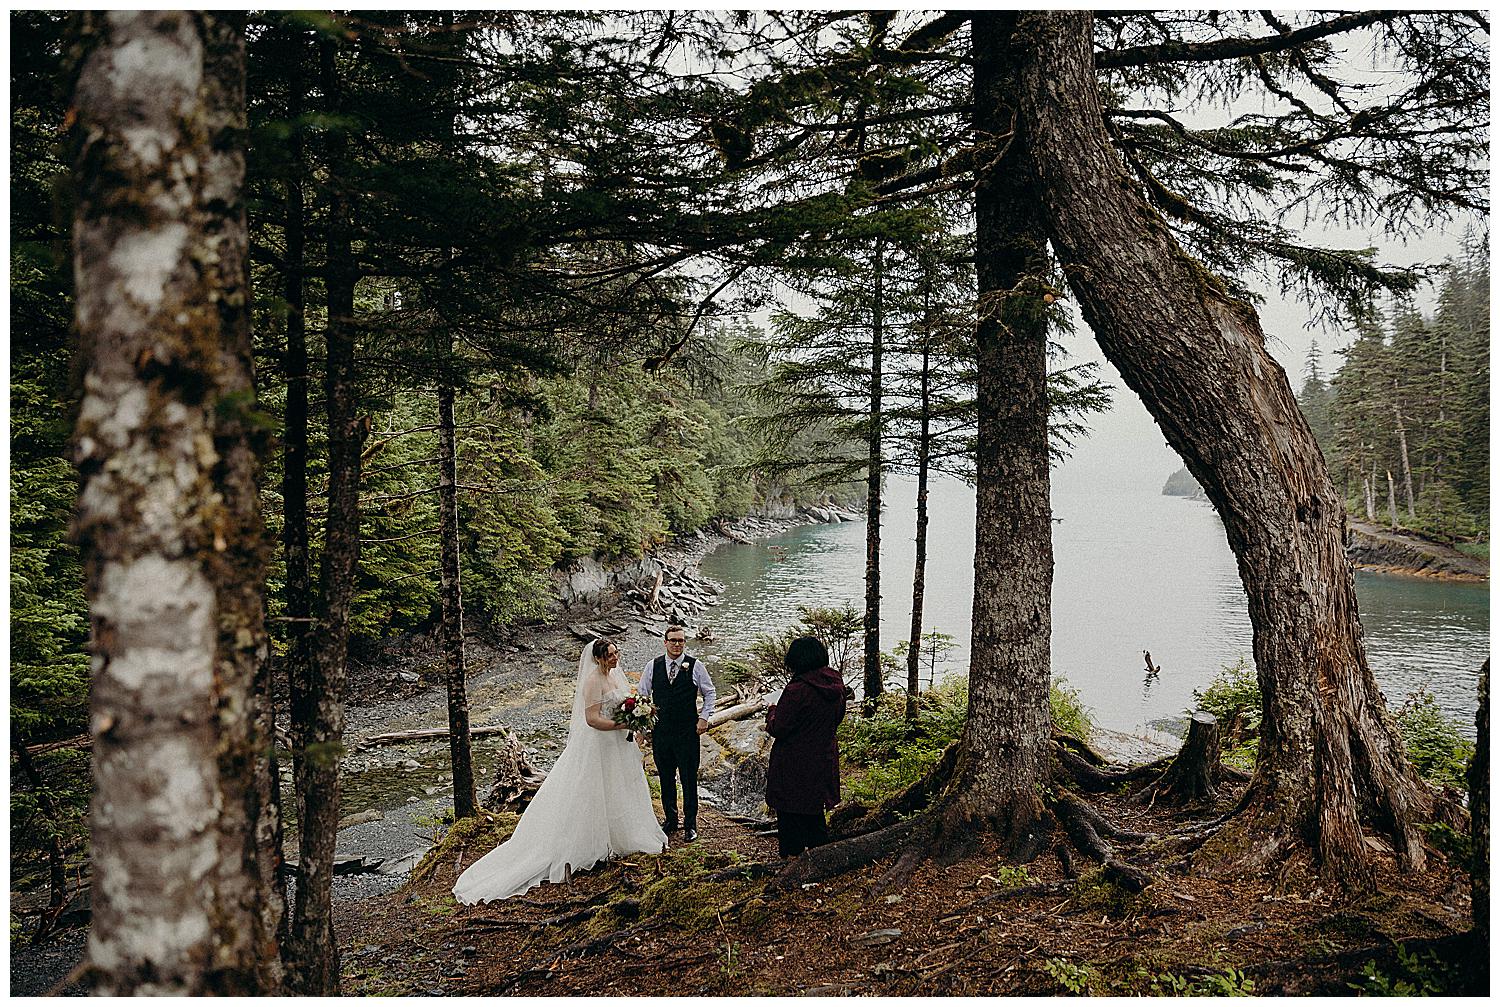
(704, 684)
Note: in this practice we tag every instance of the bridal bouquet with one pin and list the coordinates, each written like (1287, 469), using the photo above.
(635, 712)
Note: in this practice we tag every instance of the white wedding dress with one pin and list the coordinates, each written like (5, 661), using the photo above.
(593, 805)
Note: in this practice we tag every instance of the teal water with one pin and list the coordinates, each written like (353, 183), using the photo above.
(1133, 572)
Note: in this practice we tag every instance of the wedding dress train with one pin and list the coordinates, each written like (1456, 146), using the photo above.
(593, 805)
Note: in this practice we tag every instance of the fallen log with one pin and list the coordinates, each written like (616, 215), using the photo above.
(78, 741)
(426, 733)
(738, 712)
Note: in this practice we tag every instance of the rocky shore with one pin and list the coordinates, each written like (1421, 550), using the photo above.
(1381, 550)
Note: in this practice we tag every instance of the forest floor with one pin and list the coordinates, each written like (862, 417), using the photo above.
(662, 925)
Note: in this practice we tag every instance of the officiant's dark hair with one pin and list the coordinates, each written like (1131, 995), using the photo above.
(601, 648)
(806, 653)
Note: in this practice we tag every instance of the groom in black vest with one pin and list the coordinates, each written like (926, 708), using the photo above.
(675, 680)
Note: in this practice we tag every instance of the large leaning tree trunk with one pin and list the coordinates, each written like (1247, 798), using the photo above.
(168, 514)
(1329, 754)
(317, 685)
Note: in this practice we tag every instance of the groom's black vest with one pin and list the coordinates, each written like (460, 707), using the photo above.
(676, 702)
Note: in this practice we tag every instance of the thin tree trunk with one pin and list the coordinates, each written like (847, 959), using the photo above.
(297, 592)
(1390, 482)
(318, 687)
(874, 674)
(57, 877)
(1002, 759)
(168, 514)
(919, 570)
(1479, 817)
(1411, 503)
(465, 799)
(1197, 358)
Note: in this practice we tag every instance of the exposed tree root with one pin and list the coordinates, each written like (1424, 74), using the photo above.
(1079, 747)
(1093, 778)
(848, 854)
(902, 806)
(914, 825)
(1088, 829)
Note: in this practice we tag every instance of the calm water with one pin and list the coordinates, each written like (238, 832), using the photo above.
(1134, 571)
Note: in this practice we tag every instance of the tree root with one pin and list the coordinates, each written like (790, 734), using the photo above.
(1084, 826)
(911, 826)
(746, 872)
(837, 858)
(900, 807)
(1093, 778)
(1079, 747)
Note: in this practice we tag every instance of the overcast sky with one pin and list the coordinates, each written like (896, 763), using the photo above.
(1126, 450)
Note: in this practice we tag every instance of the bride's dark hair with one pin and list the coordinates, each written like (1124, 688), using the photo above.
(601, 649)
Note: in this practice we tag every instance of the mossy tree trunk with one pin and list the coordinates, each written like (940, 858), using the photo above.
(1196, 356)
(168, 514)
(1002, 760)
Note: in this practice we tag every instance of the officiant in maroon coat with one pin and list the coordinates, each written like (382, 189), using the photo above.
(803, 778)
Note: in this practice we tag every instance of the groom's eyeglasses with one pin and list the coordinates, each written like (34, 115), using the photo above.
(677, 639)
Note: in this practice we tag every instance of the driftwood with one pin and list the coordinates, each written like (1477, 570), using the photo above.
(78, 741)
(516, 779)
(737, 712)
(426, 733)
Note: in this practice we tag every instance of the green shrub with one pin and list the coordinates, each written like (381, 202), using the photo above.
(1433, 743)
(1479, 550)
(1069, 715)
(1233, 692)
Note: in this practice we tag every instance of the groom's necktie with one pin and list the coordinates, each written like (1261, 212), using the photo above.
(671, 672)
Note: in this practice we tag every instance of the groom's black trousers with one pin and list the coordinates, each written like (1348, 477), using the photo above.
(676, 755)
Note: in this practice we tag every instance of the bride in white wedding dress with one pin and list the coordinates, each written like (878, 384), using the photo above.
(593, 805)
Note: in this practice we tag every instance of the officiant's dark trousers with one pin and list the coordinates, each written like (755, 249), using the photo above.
(677, 756)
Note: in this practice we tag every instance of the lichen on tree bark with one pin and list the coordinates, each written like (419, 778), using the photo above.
(168, 515)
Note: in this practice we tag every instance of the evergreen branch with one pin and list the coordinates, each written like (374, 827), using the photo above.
(400, 538)
(1237, 48)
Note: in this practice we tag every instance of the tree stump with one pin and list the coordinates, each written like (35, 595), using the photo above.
(1191, 776)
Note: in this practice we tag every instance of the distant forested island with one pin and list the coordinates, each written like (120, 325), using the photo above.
(1182, 484)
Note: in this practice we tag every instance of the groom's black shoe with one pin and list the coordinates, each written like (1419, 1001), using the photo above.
(690, 835)
(670, 826)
